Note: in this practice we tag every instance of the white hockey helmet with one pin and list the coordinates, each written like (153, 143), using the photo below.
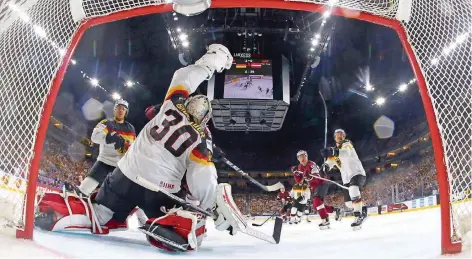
(199, 107)
(339, 130)
(302, 152)
(123, 103)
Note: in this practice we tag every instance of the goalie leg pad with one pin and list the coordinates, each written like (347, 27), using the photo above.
(73, 213)
(178, 230)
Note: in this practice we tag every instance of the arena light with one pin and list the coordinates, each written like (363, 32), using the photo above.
(461, 38)
(129, 83)
(326, 14)
(94, 81)
(314, 42)
(317, 36)
(332, 2)
(434, 61)
(176, 18)
(116, 96)
(402, 87)
(369, 87)
(312, 49)
(22, 14)
(178, 29)
(380, 101)
(40, 31)
(183, 36)
(73, 61)
(191, 7)
(185, 44)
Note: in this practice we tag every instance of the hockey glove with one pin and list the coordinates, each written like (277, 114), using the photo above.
(152, 111)
(324, 170)
(329, 151)
(217, 154)
(299, 199)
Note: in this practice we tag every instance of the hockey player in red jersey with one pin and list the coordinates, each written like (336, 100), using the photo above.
(307, 170)
(284, 197)
(174, 143)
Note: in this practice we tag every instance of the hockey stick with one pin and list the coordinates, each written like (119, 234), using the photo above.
(267, 188)
(274, 239)
(259, 225)
(342, 186)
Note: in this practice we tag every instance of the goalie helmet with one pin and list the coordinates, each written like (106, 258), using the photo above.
(199, 107)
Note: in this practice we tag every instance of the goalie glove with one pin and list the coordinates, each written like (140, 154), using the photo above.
(228, 215)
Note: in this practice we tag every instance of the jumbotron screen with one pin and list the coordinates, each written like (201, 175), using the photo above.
(249, 79)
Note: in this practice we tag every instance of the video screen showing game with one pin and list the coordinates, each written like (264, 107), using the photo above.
(249, 79)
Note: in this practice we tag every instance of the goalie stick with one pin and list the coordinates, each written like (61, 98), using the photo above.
(267, 188)
(274, 239)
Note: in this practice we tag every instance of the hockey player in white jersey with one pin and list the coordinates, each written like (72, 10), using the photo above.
(300, 194)
(114, 136)
(176, 142)
(344, 157)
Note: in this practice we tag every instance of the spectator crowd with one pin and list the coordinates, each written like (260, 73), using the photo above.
(58, 167)
(407, 181)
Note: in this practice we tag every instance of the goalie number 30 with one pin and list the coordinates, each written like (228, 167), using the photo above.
(167, 127)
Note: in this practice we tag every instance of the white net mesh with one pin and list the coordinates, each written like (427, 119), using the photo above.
(35, 33)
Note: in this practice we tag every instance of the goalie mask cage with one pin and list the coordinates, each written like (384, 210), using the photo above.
(38, 37)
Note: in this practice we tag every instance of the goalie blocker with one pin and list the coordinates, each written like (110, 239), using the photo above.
(170, 227)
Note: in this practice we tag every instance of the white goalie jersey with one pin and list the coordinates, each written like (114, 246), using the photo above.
(347, 162)
(171, 144)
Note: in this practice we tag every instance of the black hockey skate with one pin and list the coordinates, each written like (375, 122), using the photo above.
(360, 218)
(339, 213)
(45, 220)
(324, 224)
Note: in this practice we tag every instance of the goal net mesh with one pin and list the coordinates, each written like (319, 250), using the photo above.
(34, 35)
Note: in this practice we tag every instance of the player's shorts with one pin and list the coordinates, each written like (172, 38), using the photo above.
(121, 195)
(321, 190)
(358, 180)
(99, 171)
(299, 206)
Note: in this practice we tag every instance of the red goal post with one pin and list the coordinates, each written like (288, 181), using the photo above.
(38, 38)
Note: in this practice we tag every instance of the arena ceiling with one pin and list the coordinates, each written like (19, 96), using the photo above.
(142, 51)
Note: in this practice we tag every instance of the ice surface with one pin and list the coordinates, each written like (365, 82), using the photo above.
(402, 235)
